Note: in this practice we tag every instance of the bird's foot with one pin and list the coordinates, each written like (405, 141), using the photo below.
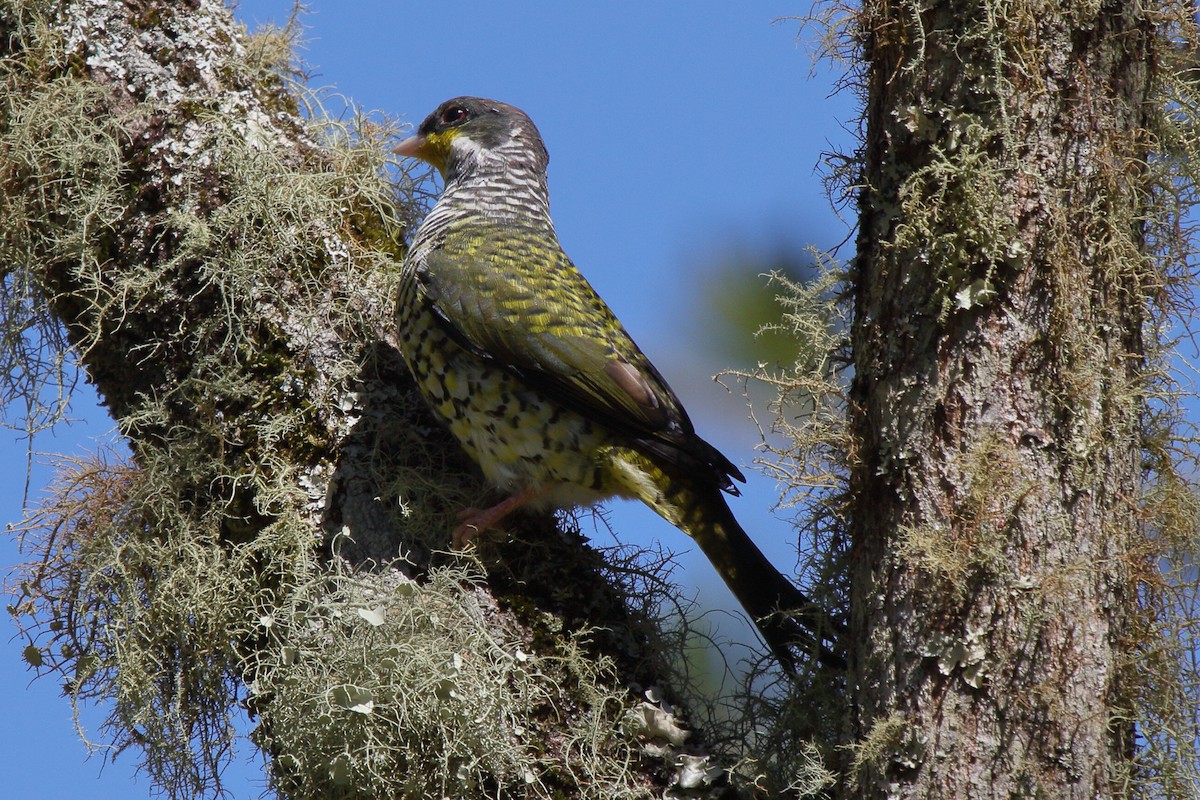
(473, 523)
(477, 520)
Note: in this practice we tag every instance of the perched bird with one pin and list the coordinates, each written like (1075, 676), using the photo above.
(537, 378)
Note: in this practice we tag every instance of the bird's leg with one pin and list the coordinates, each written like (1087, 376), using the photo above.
(479, 520)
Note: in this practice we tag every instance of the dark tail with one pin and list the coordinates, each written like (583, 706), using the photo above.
(788, 620)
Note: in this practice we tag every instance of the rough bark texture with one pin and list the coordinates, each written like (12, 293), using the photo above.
(997, 392)
(270, 388)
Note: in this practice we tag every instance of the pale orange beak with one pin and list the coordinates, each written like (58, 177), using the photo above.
(410, 147)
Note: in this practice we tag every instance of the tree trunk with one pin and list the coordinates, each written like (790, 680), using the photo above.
(1000, 285)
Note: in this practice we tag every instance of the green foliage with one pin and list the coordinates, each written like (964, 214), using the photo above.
(747, 327)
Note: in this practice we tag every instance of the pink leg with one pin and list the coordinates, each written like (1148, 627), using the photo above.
(479, 520)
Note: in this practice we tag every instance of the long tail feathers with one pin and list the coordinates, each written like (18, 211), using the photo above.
(787, 619)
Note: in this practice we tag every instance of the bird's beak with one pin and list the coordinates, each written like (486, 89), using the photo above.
(411, 147)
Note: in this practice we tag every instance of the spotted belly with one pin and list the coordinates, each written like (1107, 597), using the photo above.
(519, 437)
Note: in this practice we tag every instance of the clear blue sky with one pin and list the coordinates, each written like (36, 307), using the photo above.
(674, 129)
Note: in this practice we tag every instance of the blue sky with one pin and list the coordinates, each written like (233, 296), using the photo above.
(675, 131)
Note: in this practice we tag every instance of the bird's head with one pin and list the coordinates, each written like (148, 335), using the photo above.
(470, 135)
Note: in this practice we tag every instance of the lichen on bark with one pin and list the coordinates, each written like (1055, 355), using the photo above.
(1003, 289)
(222, 267)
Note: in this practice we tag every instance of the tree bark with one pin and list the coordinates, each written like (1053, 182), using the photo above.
(1000, 288)
(226, 279)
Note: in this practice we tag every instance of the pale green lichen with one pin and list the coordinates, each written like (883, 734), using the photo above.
(188, 584)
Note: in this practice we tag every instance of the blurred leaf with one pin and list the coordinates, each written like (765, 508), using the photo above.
(744, 325)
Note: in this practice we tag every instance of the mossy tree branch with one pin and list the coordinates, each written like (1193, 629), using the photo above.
(223, 267)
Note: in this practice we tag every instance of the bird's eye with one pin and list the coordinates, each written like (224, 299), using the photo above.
(453, 114)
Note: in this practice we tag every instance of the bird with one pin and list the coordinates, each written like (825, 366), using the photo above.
(540, 382)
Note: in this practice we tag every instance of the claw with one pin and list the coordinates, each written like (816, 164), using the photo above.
(476, 520)
(474, 523)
